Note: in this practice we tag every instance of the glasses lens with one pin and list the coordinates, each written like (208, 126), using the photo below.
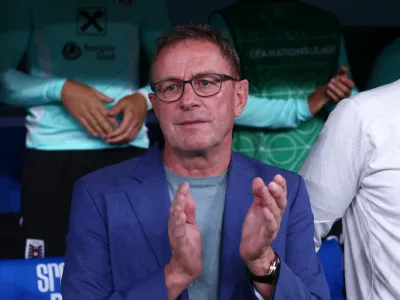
(168, 90)
(207, 85)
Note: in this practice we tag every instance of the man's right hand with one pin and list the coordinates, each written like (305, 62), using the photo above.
(86, 105)
(186, 245)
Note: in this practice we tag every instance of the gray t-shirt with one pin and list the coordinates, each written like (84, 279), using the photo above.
(209, 195)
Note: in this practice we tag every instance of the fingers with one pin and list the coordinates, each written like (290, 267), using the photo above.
(91, 121)
(347, 82)
(271, 223)
(88, 127)
(101, 96)
(127, 130)
(125, 137)
(178, 216)
(344, 70)
(114, 123)
(281, 181)
(270, 202)
(85, 104)
(100, 113)
(273, 196)
(257, 189)
(101, 118)
(344, 84)
(338, 88)
(96, 121)
(131, 123)
(182, 190)
(124, 127)
(279, 195)
(332, 96)
(190, 210)
(115, 110)
(177, 222)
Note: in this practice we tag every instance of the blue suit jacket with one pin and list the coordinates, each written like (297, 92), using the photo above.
(117, 245)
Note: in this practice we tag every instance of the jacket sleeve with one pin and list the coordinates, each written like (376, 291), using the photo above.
(87, 272)
(301, 275)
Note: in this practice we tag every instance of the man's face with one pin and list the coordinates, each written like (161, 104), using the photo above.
(195, 123)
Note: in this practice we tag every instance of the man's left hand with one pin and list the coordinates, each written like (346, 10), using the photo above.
(134, 110)
(262, 223)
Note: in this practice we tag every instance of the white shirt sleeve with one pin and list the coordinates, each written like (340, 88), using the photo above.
(145, 92)
(333, 170)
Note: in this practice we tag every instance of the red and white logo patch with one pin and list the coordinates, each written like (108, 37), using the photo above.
(34, 248)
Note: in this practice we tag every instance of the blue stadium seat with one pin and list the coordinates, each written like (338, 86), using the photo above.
(12, 141)
(331, 257)
(11, 160)
(10, 194)
(31, 279)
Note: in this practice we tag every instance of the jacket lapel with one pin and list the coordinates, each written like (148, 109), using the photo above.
(238, 200)
(151, 203)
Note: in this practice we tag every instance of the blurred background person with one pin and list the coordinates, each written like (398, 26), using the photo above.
(82, 91)
(294, 56)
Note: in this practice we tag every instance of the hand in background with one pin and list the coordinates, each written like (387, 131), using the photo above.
(133, 109)
(337, 89)
(340, 86)
(86, 105)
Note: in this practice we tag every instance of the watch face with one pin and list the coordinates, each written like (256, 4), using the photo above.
(271, 277)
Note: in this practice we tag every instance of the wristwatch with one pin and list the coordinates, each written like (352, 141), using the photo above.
(273, 273)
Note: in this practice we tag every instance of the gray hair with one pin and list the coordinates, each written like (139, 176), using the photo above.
(200, 32)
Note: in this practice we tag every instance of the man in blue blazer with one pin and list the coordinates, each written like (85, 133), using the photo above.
(190, 219)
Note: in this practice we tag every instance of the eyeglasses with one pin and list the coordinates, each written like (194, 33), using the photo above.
(204, 85)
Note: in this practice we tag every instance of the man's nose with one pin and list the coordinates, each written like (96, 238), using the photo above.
(189, 98)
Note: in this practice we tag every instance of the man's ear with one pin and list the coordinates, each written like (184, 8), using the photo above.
(154, 102)
(241, 94)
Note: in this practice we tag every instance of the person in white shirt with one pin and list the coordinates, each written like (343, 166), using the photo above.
(353, 172)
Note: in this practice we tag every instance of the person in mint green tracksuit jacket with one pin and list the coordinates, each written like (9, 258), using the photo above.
(293, 55)
(81, 90)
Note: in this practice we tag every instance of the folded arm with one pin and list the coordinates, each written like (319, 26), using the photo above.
(273, 113)
(23, 90)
